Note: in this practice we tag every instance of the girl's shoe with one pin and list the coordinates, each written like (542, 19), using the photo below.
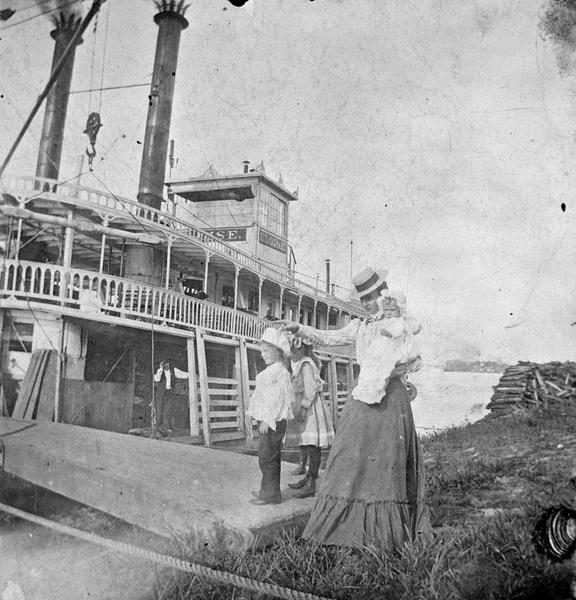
(298, 484)
(308, 489)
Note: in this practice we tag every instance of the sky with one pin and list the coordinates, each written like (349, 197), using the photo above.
(438, 136)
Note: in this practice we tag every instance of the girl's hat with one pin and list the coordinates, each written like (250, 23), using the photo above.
(276, 338)
(369, 280)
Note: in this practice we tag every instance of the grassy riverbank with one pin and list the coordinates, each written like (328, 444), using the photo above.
(487, 483)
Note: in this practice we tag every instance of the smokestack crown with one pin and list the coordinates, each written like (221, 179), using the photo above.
(173, 9)
(66, 21)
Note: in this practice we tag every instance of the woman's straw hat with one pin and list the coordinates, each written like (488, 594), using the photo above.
(276, 338)
(369, 280)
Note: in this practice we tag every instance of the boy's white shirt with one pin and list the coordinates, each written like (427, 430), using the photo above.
(273, 396)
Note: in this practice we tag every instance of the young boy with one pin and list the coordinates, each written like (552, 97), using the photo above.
(271, 405)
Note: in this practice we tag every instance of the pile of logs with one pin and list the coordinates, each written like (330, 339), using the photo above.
(530, 385)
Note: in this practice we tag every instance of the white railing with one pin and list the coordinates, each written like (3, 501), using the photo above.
(112, 205)
(95, 294)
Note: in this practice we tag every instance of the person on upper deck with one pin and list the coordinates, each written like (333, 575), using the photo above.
(372, 491)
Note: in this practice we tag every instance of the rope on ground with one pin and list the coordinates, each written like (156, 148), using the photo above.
(167, 561)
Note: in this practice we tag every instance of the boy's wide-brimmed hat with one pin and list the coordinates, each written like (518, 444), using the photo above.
(276, 338)
(369, 280)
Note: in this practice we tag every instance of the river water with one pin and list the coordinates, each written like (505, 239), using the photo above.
(448, 398)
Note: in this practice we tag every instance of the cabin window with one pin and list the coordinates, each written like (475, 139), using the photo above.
(332, 318)
(20, 337)
(273, 214)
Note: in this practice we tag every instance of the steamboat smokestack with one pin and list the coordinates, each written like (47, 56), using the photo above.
(170, 20)
(50, 151)
(145, 263)
(328, 286)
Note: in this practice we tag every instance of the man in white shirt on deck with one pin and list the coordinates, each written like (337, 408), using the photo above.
(165, 378)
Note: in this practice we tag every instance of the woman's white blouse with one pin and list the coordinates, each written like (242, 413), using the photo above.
(377, 349)
(273, 396)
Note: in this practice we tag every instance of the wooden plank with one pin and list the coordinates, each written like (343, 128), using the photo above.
(192, 390)
(220, 340)
(220, 402)
(225, 425)
(46, 405)
(222, 380)
(204, 391)
(216, 414)
(142, 480)
(24, 393)
(222, 392)
(26, 400)
(245, 387)
(35, 391)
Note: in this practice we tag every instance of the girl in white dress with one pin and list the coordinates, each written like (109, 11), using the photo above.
(313, 420)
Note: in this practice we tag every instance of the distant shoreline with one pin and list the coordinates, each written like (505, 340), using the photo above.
(479, 366)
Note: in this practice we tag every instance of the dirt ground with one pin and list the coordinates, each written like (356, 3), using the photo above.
(39, 563)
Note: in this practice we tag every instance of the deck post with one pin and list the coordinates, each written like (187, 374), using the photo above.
(192, 390)
(206, 261)
(299, 308)
(314, 316)
(204, 389)
(260, 281)
(237, 272)
(281, 301)
(68, 241)
(168, 257)
(102, 251)
(18, 239)
(244, 395)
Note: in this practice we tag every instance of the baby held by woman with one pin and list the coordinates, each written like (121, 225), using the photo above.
(394, 344)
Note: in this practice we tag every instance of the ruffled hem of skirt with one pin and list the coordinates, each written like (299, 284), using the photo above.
(356, 522)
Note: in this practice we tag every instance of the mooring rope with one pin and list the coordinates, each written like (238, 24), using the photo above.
(167, 561)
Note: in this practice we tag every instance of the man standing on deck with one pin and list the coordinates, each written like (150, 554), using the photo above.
(165, 378)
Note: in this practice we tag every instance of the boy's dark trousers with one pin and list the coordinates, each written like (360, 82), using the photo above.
(269, 451)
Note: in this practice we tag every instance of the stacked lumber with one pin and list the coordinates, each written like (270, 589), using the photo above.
(530, 385)
(38, 388)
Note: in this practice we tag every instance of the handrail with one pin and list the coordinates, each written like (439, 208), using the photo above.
(93, 199)
(95, 293)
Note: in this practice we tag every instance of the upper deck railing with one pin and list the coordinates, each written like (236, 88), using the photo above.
(144, 217)
(95, 294)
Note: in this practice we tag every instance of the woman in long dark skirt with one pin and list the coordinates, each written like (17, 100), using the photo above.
(373, 489)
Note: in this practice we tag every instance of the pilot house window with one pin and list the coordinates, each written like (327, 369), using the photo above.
(273, 214)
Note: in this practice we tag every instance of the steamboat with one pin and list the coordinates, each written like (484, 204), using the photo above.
(97, 289)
